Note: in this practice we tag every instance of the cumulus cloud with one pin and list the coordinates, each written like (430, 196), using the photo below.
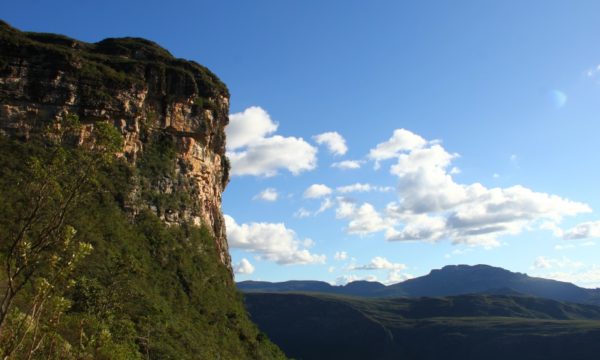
(334, 142)
(316, 191)
(348, 164)
(361, 187)
(552, 226)
(248, 127)
(268, 194)
(433, 206)
(340, 255)
(266, 156)
(244, 267)
(251, 152)
(271, 241)
(362, 219)
(584, 230)
(416, 226)
(379, 263)
(401, 140)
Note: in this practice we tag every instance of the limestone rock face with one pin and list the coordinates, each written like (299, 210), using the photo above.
(141, 89)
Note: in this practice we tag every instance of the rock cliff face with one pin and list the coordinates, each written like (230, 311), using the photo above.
(141, 89)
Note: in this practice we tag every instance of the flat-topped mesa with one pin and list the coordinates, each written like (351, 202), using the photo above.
(140, 88)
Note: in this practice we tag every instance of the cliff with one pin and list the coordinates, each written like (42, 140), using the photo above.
(155, 281)
(141, 89)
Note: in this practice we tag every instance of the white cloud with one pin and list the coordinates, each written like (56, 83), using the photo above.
(552, 226)
(417, 227)
(316, 191)
(244, 267)
(345, 279)
(251, 152)
(266, 156)
(363, 219)
(348, 164)
(396, 276)
(561, 247)
(402, 140)
(593, 72)
(584, 230)
(340, 255)
(248, 127)
(455, 171)
(586, 277)
(270, 241)
(268, 194)
(569, 246)
(334, 142)
(325, 204)
(345, 208)
(542, 262)
(379, 263)
(433, 206)
(302, 213)
(360, 187)
(458, 252)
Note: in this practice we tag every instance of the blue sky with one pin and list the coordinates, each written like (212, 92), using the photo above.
(498, 101)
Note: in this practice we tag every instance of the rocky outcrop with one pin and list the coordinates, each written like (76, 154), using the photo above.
(141, 89)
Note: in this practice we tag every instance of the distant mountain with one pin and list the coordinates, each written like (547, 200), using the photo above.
(448, 281)
(355, 288)
(464, 279)
(317, 326)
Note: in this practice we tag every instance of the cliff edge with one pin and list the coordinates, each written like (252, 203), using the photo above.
(140, 88)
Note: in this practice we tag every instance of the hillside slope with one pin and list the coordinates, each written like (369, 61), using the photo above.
(310, 326)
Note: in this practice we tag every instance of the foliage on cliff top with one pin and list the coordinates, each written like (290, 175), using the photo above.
(115, 60)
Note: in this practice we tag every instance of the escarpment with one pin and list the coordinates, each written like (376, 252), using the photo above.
(165, 108)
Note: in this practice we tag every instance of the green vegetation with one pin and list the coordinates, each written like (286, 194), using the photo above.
(111, 63)
(100, 283)
(313, 326)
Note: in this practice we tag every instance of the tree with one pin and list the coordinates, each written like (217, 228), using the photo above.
(39, 249)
